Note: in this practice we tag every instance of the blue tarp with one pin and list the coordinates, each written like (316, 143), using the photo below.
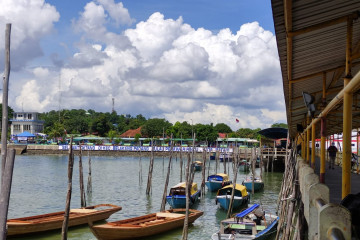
(25, 134)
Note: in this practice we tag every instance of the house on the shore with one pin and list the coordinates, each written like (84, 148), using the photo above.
(26, 122)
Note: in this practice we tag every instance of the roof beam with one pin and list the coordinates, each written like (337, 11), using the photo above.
(319, 26)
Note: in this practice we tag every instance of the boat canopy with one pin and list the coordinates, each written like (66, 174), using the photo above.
(219, 177)
(179, 189)
(240, 190)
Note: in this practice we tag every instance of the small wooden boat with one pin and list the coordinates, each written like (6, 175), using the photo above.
(198, 165)
(144, 226)
(216, 181)
(177, 195)
(251, 223)
(244, 166)
(241, 196)
(258, 184)
(52, 221)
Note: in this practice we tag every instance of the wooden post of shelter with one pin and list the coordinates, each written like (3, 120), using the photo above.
(322, 150)
(347, 116)
(313, 146)
(68, 197)
(4, 123)
(307, 142)
(5, 192)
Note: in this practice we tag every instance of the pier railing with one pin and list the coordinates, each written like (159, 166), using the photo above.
(325, 220)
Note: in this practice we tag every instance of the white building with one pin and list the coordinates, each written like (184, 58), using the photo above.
(26, 122)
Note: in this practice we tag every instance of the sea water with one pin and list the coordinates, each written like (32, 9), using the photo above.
(40, 185)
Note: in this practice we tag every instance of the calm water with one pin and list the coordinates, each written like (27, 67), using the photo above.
(40, 186)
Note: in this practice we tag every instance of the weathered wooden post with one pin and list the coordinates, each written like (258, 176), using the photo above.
(163, 203)
(68, 198)
(5, 192)
(187, 190)
(140, 164)
(151, 165)
(89, 184)
(236, 169)
(81, 179)
(5, 117)
(203, 173)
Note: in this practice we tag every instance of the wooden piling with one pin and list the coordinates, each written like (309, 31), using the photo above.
(89, 183)
(140, 165)
(235, 171)
(187, 190)
(203, 172)
(81, 179)
(5, 90)
(68, 197)
(151, 166)
(5, 192)
(162, 208)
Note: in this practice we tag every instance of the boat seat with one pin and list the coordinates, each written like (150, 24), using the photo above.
(82, 210)
(260, 227)
(169, 215)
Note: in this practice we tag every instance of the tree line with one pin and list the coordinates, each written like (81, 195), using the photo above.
(112, 125)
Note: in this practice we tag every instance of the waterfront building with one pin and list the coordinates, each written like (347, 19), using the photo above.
(26, 122)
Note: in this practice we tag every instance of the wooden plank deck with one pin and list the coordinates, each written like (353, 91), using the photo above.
(333, 179)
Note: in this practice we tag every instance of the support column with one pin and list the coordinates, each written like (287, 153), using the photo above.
(303, 140)
(347, 126)
(313, 146)
(347, 116)
(308, 142)
(322, 150)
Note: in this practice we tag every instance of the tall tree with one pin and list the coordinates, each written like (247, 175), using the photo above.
(222, 128)
(155, 127)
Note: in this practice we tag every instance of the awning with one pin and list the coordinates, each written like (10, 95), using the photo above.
(25, 134)
(274, 133)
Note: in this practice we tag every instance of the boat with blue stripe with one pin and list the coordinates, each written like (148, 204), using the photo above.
(241, 196)
(216, 181)
(252, 223)
(177, 195)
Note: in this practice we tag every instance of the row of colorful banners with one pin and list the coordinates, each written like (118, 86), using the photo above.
(142, 148)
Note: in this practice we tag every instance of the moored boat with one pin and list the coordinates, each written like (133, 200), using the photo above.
(258, 184)
(144, 226)
(216, 181)
(52, 221)
(198, 165)
(244, 166)
(241, 196)
(252, 223)
(177, 195)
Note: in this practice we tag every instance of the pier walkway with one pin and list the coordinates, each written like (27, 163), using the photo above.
(333, 179)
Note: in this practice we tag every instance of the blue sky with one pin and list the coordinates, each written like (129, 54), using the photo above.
(209, 61)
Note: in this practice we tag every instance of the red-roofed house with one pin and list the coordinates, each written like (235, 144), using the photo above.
(222, 135)
(131, 133)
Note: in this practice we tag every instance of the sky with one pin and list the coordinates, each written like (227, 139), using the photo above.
(200, 61)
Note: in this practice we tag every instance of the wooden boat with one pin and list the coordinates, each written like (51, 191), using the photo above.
(144, 226)
(177, 195)
(251, 223)
(258, 184)
(216, 181)
(241, 196)
(244, 166)
(52, 221)
(198, 165)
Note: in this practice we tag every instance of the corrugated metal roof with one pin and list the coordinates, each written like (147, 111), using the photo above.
(316, 54)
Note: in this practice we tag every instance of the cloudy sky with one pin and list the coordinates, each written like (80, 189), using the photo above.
(200, 61)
